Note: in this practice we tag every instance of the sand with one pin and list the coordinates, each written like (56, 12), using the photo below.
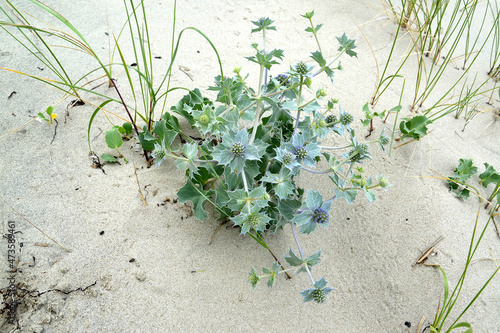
(136, 268)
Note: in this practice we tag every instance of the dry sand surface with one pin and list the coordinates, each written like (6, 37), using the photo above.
(136, 268)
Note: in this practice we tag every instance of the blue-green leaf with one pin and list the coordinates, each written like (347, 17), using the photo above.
(288, 208)
(347, 45)
(293, 260)
(370, 195)
(348, 195)
(193, 193)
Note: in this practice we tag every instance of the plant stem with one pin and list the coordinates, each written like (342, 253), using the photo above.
(178, 157)
(493, 194)
(245, 185)
(300, 250)
(316, 172)
(262, 243)
(298, 101)
(259, 105)
(314, 33)
(130, 116)
(397, 114)
(336, 148)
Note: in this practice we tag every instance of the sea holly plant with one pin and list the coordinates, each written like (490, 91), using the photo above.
(252, 144)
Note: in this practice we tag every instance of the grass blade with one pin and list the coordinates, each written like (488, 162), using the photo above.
(92, 119)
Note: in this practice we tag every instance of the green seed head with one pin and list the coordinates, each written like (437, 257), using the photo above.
(301, 152)
(204, 119)
(253, 278)
(287, 158)
(319, 295)
(321, 93)
(237, 69)
(331, 119)
(363, 149)
(237, 149)
(322, 123)
(362, 152)
(301, 68)
(159, 154)
(253, 219)
(383, 182)
(354, 158)
(362, 182)
(281, 78)
(384, 140)
(346, 119)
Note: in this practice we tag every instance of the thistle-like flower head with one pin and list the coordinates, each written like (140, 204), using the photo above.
(205, 119)
(235, 150)
(318, 293)
(159, 153)
(281, 78)
(346, 118)
(383, 182)
(253, 278)
(302, 69)
(383, 140)
(313, 213)
(320, 216)
(304, 148)
(252, 219)
(331, 119)
(358, 153)
(288, 159)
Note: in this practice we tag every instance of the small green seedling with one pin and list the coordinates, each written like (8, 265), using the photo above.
(114, 141)
(370, 115)
(50, 113)
(126, 130)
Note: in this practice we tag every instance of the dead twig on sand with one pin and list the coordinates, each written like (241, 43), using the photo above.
(139, 186)
(425, 255)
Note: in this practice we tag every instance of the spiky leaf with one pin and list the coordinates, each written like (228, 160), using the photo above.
(195, 194)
